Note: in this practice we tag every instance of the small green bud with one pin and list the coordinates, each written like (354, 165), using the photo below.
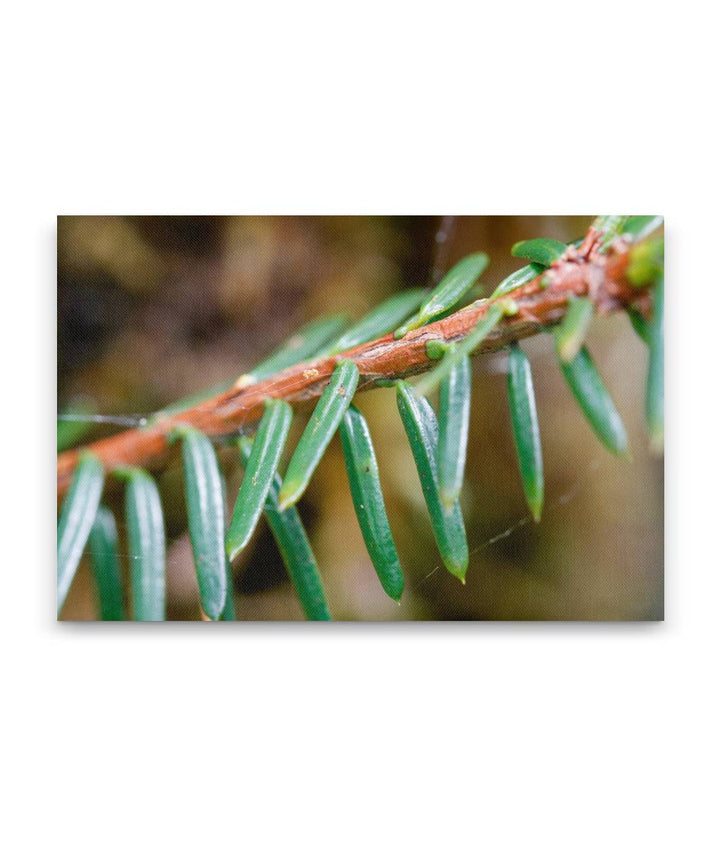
(646, 262)
(436, 349)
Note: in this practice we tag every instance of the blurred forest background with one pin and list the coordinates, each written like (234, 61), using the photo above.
(151, 309)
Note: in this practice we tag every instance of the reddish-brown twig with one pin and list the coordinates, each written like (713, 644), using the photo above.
(541, 302)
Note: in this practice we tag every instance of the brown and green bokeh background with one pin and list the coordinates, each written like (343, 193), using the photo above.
(154, 308)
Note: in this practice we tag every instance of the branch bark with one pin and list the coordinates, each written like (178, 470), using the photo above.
(542, 302)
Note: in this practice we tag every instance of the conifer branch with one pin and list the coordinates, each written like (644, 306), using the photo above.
(583, 271)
